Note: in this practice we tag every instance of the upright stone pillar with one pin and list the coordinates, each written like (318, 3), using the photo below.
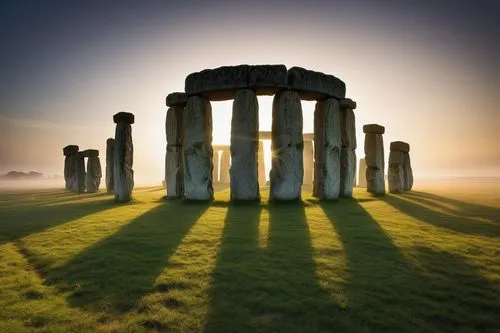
(287, 171)
(327, 143)
(225, 165)
(80, 172)
(110, 163)
(308, 162)
(174, 158)
(395, 173)
(362, 173)
(69, 169)
(262, 165)
(198, 151)
(215, 163)
(94, 172)
(374, 156)
(348, 151)
(407, 170)
(244, 146)
(123, 157)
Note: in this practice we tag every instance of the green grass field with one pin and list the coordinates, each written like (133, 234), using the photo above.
(426, 261)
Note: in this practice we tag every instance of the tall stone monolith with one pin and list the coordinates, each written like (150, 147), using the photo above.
(123, 173)
(327, 142)
(69, 165)
(406, 170)
(174, 157)
(244, 146)
(198, 150)
(374, 156)
(348, 151)
(362, 173)
(110, 163)
(287, 145)
(94, 172)
(80, 172)
(395, 173)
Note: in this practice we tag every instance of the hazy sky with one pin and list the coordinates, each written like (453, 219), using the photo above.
(429, 71)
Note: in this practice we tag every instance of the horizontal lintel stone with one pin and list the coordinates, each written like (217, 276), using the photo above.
(124, 117)
(400, 146)
(70, 150)
(177, 99)
(373, 128)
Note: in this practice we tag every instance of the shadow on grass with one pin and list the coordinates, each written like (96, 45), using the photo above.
(114, 273)
(264, 279)
(460, 223)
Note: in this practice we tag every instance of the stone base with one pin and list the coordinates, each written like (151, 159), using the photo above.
(396, 179)
(375, 181)
(347, 171)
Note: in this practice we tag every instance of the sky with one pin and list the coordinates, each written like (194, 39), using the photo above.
(429, 71)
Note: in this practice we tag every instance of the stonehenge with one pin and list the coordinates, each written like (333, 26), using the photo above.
(70, 176)
(123, 173)
(110, 162)
(374, 157)
(348, 149)
(79, 185)
(94, 173)
(174, 157)
(402, 151)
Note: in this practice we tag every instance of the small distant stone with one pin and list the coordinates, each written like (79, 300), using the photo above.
(177, 99)
(90, 152)
(124, 117)
(400, 146)
(70, 150)
(373, 128)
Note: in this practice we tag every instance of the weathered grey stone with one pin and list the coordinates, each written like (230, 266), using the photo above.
(374, 128)
(72, 182)
(395, 178)
(400, 146)
(174, 158)
(347, 104)
(90, 153)
(327, 143)
(375, 182)
(225, 165)
(347, 171)
(374, 150)
(244, 146)
(267, 79)
(198, 149)
(407, 172)
(287, 169)
(174, 126)
(123, 173)
(396, 157)
(70, 150)
(67, 175)
(110, 163)
(362, 173)
(177, 99)
(313, 85)
(215, 170)
(308, 159)
(94, 173)
(348, 128)
(262, 165)
(80, 172)
(124, 117)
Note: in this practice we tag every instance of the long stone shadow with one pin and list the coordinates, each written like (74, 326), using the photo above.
(465, 209)
(17, 223)
(114, 273)
(459, 224)
(381, 281)
(267, 289)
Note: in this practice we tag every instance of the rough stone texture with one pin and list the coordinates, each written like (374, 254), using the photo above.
(308, 162)
(362, 173)
(94, 174)
(347, 104)
(395, 172)
(177, 99)
(262, 165)
(348, 128)
(72, 181)
(287, 170)
(69, 170)
(347, 171)
(267, 79)
(374, 150)
(110, 163)
(90, 153)
(313, 85)
(225, 165)
(400, 146)
(174, 158)
(373, 128)
(123, 173)
(198, 151)
(375, 182)
(80, 172)
(70, 150)
(215, 170)
(124, 117)
(327, 143)
(67, 175)
(407, 172)
(244, 146)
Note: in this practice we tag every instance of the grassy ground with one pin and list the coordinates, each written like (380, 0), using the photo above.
(427, 261)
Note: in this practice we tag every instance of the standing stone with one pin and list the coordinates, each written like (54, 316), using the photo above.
(123, 157)
(225, 165)
(348, 153)
(395, 172)
(174, 158)
(244, 146)
(80, 172)
(94, 172)
(327, 150)
(198, 149)
(69, 170)
(362, 173)
(287, 169)
(308, 162)
(110, 162)
(215, 163)
(407, 172)
(262, 165)
(374, 156)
